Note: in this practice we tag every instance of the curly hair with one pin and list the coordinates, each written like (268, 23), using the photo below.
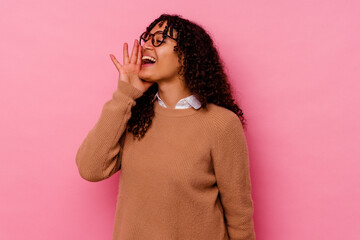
(202, 69)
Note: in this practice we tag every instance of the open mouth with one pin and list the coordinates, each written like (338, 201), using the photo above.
(148, 61)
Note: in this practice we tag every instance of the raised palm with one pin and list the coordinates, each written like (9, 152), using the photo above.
(129, 71)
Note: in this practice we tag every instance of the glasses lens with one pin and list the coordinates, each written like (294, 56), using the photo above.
(158, 39)
(143, 38)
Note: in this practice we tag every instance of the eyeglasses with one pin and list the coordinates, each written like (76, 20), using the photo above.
(157, 38)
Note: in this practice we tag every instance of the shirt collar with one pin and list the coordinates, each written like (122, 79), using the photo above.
(190, 101)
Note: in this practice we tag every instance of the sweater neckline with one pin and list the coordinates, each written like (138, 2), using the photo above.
(174, 112)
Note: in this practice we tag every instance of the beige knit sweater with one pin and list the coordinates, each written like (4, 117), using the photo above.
(188, 178)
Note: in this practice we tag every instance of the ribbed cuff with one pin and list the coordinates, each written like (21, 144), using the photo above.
(129, 90)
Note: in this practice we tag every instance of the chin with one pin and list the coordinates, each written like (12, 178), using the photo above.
(146, 79)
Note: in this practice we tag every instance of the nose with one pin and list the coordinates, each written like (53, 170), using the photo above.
(146, 46)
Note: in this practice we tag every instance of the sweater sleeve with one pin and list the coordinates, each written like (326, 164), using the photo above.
(99, 155)
(231, 166)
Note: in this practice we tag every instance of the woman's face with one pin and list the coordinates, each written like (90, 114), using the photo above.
(166, 66)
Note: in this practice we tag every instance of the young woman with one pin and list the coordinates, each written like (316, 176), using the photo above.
(174, 130)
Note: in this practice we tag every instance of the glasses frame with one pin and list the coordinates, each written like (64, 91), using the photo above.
(151, 35)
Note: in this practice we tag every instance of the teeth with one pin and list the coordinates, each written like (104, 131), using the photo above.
(149, 58)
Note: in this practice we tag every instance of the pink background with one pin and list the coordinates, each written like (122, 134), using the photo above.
(294, 66)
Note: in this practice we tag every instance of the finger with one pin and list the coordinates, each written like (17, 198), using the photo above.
(134, 52)
(116, 63)
(138, 63)
(126, 54)
(139, 55)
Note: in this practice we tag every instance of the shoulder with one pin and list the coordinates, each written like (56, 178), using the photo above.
(220, 114)
(222, 119)
(226, 128)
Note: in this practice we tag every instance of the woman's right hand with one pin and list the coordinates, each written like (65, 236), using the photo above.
(129, 71)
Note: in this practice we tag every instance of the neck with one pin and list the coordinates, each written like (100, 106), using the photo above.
(171, 92)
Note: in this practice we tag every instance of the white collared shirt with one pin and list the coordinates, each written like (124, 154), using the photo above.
(190, 101)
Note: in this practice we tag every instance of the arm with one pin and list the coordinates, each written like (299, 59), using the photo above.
(99, 155)
(231, 166)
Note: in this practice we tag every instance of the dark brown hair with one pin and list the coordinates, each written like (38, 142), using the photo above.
(203, 71)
